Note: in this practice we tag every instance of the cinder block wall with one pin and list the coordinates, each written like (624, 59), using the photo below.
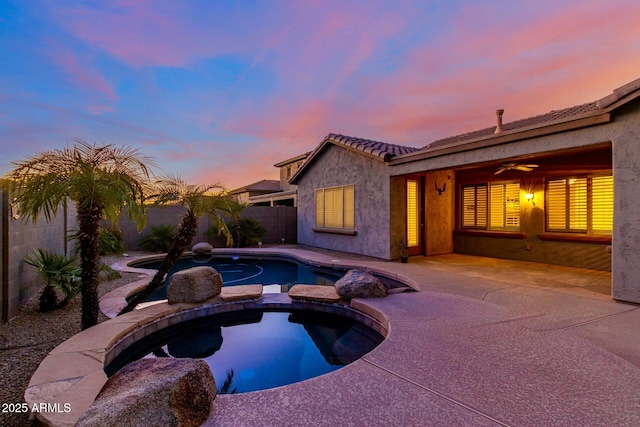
(280, 222)
(21, 281)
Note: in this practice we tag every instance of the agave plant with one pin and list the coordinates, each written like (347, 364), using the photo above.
(57, 271)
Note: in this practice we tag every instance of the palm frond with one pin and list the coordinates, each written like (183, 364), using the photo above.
(173, 190)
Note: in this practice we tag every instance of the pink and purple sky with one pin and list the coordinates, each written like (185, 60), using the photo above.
(220, 91)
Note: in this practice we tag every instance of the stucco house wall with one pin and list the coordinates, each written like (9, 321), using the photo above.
(397, 214)
(341, 166)
(626, 210)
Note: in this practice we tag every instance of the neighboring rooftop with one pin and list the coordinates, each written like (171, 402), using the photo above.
(264, 186)
(292, 160)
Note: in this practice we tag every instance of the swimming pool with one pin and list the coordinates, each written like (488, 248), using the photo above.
(258, 349)
(276, 274)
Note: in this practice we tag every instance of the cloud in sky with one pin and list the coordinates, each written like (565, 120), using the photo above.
(219, 92)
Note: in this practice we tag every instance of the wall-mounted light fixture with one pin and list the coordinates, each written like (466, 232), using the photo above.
(530, 196)
(441, 190)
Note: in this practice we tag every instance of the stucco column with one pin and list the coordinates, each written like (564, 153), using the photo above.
(625, 268)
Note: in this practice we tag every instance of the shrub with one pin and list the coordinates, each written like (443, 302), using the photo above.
(250, 232)
(57, 271)
(159, 239)
(245, 232)
(110, 241)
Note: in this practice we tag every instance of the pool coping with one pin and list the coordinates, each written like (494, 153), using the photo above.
(73, 373)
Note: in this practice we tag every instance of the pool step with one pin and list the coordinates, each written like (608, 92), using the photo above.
(240, 292)
(314, 293)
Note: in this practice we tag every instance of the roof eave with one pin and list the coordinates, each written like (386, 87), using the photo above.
(620, 96)
(576, 122)
(373, 154)
(310, 159)
(292, 160)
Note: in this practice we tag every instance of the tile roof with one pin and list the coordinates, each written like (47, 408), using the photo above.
(293, 159)
(375, 148)
(266, 185)
(549, 117)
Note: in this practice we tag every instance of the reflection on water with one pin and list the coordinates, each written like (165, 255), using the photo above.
(254, 350)
(251, 271)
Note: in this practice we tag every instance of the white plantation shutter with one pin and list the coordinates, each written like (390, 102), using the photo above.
(557, 205)
(504, 202)
(348, 207)
(512, 205)
(496, 203)
(583, 204)
(335, 207)
(320, 208)
(481, 206)
(474, 206)
(578, 204)
(602, 204)
(413, 226)
(468, 206)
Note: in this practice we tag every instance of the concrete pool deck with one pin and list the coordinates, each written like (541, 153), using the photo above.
(486, 342)
(483, 342)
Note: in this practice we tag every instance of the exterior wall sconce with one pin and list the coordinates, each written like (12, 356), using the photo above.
(529, 196)
(441, 190)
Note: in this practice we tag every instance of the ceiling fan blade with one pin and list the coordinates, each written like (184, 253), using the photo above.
(530, 166)
(500, 171)
(523, 168)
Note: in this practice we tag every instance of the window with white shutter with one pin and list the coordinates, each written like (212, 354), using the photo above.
(493, 207)
(335, 207)
(581, 204)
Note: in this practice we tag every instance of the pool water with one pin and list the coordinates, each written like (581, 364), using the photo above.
(256, 350)
(278, 274)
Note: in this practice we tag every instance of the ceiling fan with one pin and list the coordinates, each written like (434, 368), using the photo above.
(515, 166)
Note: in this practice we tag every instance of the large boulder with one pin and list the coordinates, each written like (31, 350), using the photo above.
(155, 392)
(360, 284)
(194, 285)
(202, 248)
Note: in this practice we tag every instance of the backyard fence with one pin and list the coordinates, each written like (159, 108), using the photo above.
(19, 238)
(18, 282)
(279, 222)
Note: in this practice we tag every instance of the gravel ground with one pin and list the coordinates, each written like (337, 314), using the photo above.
(29, 337)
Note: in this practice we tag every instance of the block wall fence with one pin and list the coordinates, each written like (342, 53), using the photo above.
(20, 282)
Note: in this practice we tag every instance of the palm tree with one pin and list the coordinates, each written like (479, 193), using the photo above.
(233, 209)
(198, 200)
(102, 181)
